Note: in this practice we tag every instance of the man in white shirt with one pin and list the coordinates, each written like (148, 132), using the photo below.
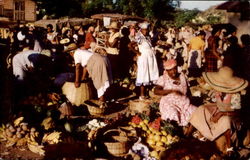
(96, 65)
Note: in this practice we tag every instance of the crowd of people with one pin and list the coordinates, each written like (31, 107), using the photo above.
(168, 59)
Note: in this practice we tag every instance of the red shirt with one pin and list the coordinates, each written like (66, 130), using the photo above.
(88, 39)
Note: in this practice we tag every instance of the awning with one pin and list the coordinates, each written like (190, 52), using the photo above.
(117, 16)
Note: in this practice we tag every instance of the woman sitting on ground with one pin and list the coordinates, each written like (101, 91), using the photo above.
(174, 104)
(215, 119)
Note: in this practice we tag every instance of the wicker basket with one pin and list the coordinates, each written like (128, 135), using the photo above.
(77, 95)
(94, 107)
(119, 148)
(138, 106)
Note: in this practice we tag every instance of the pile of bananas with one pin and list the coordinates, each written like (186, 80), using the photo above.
(52, 138)
(19, 134)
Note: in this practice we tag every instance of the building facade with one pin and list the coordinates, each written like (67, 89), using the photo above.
(18, 10)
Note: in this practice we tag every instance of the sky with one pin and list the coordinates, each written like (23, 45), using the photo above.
(201, 5)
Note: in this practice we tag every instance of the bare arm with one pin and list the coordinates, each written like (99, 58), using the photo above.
(114, 44)
(160, 91)
(131, 46)
(215, 52)
(84, 73)
(77, 72)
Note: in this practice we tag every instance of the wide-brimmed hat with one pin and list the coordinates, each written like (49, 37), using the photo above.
(224, 81)
(64, 41)
(71, 47)
(169, 64)
(113, 25)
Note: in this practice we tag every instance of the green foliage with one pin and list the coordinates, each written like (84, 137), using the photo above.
(213, 19)
(151, 9)
(168, 127)
(58, 8)
(184, 16)
(91, 7)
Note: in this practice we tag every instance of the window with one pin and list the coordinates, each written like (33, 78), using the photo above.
(19, 10)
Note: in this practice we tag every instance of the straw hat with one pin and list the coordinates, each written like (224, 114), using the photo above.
(71, 47)
(224, 81)
(64, 41)
(46, 52)
(169, 64)
(113, 25)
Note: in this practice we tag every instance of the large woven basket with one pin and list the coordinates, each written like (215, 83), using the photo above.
(120, 147)
(139, 106)
(77, 95)
(94, 107)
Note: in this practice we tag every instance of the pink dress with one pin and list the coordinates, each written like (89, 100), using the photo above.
(172, 106)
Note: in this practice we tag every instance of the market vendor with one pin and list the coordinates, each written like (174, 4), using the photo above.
(147, 67)
(174, 104)
(29, 61)
(96, 65)
(215, 119)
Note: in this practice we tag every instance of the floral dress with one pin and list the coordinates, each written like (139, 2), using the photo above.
(173, 106)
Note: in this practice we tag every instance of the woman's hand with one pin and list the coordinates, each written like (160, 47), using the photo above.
(177, 92)
(216, 117)
(77, 84)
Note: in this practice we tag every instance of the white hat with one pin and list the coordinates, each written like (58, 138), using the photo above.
(144, 25)
(65, 41)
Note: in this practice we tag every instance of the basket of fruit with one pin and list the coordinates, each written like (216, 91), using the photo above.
(117, 144)
(95, 107)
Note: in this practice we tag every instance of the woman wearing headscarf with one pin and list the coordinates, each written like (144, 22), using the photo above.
(174, 104)
(147, 68)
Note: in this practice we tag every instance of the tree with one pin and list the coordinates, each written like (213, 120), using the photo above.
(91, 7)
(184, 16)
(59, 8)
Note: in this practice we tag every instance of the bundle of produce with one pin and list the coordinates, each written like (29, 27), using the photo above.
(19, 134)
(127, 83)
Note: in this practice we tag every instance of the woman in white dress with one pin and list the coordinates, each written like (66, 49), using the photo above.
(147, 68)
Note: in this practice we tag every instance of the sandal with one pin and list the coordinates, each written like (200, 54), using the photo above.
(230, 151)
(197, 135)
(142, 98)
(203, 139)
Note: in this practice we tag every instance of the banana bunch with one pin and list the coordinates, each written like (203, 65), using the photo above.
(48, 123)
(52, 138)
(39, 149)
(20, 135)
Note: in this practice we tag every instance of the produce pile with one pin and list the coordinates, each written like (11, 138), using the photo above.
(157, 134)
(21, 135)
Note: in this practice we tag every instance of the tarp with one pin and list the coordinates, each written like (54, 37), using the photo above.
(64, 22)
(117, 16)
